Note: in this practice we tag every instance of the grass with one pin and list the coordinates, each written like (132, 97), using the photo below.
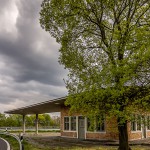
(28, 146)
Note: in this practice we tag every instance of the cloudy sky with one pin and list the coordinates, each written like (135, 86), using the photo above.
(29, 68)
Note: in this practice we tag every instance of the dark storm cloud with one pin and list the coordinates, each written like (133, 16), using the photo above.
(32, 63)
(29, 68)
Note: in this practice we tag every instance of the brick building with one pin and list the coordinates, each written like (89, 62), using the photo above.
(78, 126)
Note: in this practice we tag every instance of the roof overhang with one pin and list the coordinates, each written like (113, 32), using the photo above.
(40, 108)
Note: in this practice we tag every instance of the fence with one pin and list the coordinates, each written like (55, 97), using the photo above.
(19, 129)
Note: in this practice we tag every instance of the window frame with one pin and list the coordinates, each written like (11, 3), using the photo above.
(139, 123)
(73, 123)
(89, 126)
(100, 123)
(66, 123)
(96, 124)
(148, 122)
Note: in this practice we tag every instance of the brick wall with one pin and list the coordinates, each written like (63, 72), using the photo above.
(132, 135)
(148, 133)
(135, 135)
(65, 112)
(69, 134)
(110, 133)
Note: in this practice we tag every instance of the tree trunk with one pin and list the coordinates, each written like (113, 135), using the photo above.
(123, 136)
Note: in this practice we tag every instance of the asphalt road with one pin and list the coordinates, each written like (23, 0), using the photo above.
(3, 144)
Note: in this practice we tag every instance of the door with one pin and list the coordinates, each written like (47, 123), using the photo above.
(81, 127)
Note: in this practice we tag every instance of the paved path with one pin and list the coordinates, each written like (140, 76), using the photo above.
(3, 144)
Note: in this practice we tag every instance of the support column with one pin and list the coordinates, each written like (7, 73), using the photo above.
(24, 125)
(36, 124)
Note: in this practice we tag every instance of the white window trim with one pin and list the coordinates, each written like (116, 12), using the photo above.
(146, 125)
(64, 124)
(69, 124)
(95, 131)
(136, 131)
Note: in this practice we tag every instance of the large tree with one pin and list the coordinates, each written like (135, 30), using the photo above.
(105, 45)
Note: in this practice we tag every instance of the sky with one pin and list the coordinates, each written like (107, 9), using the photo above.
(29, 68)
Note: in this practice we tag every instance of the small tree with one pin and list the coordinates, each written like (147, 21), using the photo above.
(12, 121)
(106, 48)
(48, 120)
(29, 120)
(2, 120)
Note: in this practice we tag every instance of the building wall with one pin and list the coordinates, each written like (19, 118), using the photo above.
(111, 132)
(65, 112)
(148, 133)
(110, 126)
(134, 134)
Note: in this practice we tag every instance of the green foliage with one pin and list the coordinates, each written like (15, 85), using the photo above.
(13, 121)
(16, 120)
(106, 48)
(2, 120)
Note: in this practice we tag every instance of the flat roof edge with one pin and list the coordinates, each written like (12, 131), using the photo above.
(33, 105)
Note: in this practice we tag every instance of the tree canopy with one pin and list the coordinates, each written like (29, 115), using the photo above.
(105, 45)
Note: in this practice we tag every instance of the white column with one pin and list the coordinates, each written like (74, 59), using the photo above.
(24, 125)
(36, 123)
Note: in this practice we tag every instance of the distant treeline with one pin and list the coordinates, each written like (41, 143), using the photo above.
(16, 120)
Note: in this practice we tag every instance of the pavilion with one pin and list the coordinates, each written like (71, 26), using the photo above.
(49, 106)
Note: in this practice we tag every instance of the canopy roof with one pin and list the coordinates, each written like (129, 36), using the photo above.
(40, 108)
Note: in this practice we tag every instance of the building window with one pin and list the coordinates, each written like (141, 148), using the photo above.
(73, 123)
(66, 123)
(133, 126)
(100, 123)
(133, 123)
(139, 123)
(90, 126)
(136, 123)
(148, 122)
(97, 124)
